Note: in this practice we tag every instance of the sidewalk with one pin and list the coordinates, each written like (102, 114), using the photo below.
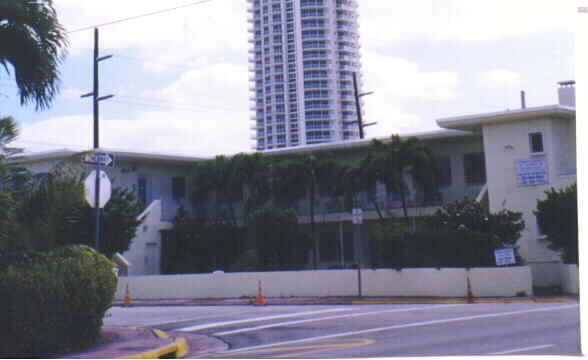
(145, 343)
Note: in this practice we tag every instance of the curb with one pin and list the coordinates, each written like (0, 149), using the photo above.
(461, 301)
(178, 349)
(355, 301)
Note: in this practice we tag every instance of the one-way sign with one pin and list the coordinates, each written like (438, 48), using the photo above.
(104, 159)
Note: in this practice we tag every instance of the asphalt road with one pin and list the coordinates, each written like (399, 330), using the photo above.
(372, 330)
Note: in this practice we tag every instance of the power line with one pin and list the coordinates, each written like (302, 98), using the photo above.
(184, 108)
(139, 16)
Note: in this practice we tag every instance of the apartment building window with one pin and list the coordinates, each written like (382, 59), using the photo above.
(179, 187)
(536, 142)
(328, 247)
(474, 168)
(442, 170)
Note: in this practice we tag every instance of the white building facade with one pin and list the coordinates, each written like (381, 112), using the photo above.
(528, 151)
(303, 57)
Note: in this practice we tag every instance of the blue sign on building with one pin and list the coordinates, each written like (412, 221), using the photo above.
(532, 172)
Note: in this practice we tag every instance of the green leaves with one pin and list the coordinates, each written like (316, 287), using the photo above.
(54, 303)
(557, 217)
(33, 43)
(504, 227)
(395, 161)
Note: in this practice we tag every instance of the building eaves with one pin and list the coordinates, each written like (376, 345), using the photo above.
(476, 121)
(119, 155)
(351, 144)
(145, 156)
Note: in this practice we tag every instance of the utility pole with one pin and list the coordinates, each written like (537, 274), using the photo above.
(361, 125)
(96, 98)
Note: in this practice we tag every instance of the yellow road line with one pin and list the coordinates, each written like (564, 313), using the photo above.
(179, 348)
(160, 334)
(320, 348)
(309, 348)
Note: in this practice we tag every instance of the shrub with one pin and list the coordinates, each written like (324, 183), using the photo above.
(557, 217)
(54, 303)
(438, 249)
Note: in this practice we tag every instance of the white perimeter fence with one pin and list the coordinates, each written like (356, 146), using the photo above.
(505, 281)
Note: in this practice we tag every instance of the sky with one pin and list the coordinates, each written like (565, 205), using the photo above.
(181, 80)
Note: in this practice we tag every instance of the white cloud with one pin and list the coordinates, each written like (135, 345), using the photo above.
(393, 121)
(396, 79)
(459, 20)
(191, 35)
(168, 132)
(208, 115)
(499, 78)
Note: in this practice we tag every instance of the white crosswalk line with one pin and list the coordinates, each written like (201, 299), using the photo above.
(402, 326)
(295, 322)
(263, 318)
(519, 350)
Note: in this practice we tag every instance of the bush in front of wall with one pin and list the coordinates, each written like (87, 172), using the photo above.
(54, 303)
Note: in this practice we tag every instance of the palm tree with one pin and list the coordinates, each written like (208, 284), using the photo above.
(8, 133)
(253, 171)
(300, 174)
(33, 42)
(398, 159)
(219, 175)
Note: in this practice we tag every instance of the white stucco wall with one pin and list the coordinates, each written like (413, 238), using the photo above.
(144, 254)
(570, 279)
(504, 144)
(126, 173)
(509, 281)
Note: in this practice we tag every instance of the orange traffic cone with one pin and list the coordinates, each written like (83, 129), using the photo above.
(260, 299)
(127, 301)
(470, 293)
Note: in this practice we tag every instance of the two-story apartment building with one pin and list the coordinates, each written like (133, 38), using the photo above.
(506, 158)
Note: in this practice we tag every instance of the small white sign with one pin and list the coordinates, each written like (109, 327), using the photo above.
(357, 216)
(104, 159)
(504, 256)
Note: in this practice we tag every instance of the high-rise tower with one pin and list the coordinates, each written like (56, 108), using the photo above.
(302, 62)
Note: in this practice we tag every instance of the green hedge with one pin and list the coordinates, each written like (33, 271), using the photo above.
(54, 303)
(438, 249)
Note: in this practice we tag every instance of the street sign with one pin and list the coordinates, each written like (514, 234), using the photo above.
(357, 216)
(504, 256)
(103, 159)
(90, 189)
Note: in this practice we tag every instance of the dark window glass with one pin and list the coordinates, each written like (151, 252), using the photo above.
(474, 168)
(536, 142)
(442, 169)
(178, 187)
(328, 247)
(142, 191)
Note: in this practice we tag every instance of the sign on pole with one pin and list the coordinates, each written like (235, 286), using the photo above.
(357, 216)
(90, 189)
(504, 256)
(98, 158)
